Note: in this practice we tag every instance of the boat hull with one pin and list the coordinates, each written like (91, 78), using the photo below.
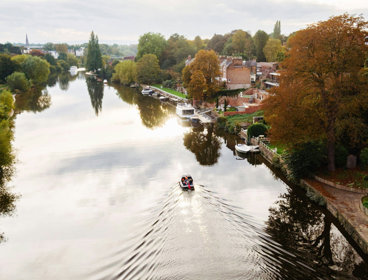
(185, 188)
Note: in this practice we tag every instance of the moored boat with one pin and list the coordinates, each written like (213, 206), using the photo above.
(184, 110)
(147, 91)
(242, 148)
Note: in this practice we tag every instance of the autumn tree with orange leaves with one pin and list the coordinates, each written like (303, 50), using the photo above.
(323, 93)
(207, 63)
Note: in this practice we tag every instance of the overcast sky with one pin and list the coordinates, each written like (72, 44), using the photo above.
(123, 21)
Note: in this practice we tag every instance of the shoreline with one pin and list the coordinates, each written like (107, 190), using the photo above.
(341, 203)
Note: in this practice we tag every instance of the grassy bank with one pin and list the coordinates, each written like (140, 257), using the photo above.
(232, 124)
(169, 90)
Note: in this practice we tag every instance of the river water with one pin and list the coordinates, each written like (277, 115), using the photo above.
(96, 173)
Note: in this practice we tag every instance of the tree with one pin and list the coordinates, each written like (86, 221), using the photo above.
(277, 30)
(208, 63)
(17, 81)
(7, 66)
(321, 85)
(197, 85)
(49, 46)
(198, 43)
(217, 42)
(272, 49)
(151, 43)
(61, 48)
(94, 58)
(176, 51)
(148, 69)
(260, 40)
(36, 69)
(125, 72)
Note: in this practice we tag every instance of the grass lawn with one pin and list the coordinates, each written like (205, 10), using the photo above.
(169, 90)
(356, 178)
(280, 148)
(243, 118)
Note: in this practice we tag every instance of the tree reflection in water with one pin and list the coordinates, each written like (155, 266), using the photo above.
(204, 144)
(7, 199)
(34, 100)
(301, 227)
(95, 90)
(153, 113)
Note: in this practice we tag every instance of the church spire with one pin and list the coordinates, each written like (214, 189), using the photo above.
(27, 42)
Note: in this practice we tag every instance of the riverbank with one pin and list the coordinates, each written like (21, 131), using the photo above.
(343, 204)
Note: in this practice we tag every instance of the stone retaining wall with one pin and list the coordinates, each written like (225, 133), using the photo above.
(341, 187)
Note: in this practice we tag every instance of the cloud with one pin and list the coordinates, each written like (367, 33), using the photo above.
(124, 21)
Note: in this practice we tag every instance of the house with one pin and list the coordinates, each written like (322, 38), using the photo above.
(132, 58)
(235, 72)
(265, 68)
(273, 81)
(79, 52)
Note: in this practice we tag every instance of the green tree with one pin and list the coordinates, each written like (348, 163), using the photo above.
(72, 60)
(94, 58)
(198, 43)
(272, 49)
(217, 42)
(260, 40)
(277, 30)
(151, 43)
(125, 72)
(176, 51)
(7, 66)
(36, 69)
(49, 46)
(17, 81)
(148, 69)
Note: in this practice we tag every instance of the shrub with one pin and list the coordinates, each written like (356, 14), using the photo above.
(6, 104)
(364, 157)
(63, 65)
(17, 81)
(305, 159)
(256, 129)
(341, 153)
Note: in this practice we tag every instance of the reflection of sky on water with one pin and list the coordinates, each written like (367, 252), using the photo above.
(87, 181)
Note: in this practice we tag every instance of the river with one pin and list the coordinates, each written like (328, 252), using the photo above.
(96, 177)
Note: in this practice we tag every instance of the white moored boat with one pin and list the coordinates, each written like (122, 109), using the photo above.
(184, 111)
(242, 148)
(147, 91)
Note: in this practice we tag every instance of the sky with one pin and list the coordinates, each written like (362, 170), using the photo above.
(123, 21)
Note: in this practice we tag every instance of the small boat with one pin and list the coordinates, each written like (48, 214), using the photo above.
(184, 111)
(186, 182)
(163, 98)
(242, 148)
(147, 91)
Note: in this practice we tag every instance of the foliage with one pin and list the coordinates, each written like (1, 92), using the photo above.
(7, 66)
(321, 87)
(277, 30)
(341, 154)
(63, 65)
(272, 49)
(94, 58)
(36, 69)
(197, 85)
(50, 59)
(364, 157)
(116, 50)
(176, 50)
(206, 62)
(61, 48)
(125, 72)
(6, 104)
(305, 159)
(217, 42)
(242, 44)
(151, 43)
(232, 124)
(256, 129)
(148, 69)
(96, 92)
(260, 40)
(48, 46)
(17, 81)
(9, 49)
(72, 60)
(18, 60)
